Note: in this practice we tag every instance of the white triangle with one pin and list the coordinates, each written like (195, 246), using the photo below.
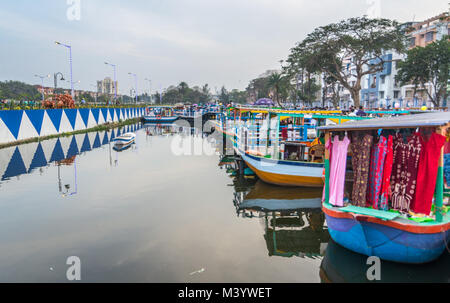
(65, 126)
(47, 126)
(108, 116)
(101, 119)
(79, 139)
(92, 136)
(27, 151)
(27, 129)
(115, 119)
(79, 124)
(65, 144)
(48, 146)
(5, 134)
(91, 120)
(5, 158)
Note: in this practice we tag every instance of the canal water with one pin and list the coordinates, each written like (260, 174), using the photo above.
(168, 209)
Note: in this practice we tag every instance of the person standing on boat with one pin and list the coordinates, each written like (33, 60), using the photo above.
(361, 112)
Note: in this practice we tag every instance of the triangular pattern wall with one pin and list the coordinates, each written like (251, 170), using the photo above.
(26, 124)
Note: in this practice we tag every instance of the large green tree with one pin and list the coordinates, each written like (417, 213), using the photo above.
(429, 65)
(348, 50)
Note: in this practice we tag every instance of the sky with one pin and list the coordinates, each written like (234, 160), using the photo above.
(219, 42)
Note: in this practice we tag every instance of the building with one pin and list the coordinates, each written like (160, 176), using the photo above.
(107, 86)
(428, 31)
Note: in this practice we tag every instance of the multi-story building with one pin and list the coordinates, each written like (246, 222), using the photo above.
(107, 86)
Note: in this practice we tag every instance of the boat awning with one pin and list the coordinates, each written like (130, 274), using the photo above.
(409, 121)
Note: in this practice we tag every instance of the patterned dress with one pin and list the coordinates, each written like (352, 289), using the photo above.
(404, 174)
(387, 171)
(360, 162)
(377, 159)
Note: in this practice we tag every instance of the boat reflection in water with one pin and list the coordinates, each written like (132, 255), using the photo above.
(342, 265)
(292, 218)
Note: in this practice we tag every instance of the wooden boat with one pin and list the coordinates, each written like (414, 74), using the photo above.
(389, 235)
(280, 159)
(124, 141)
(160, 115)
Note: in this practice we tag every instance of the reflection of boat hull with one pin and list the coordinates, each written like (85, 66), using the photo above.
(120, 148)
(397, 240)
(161, 120)
(285, 173)
(340, 265)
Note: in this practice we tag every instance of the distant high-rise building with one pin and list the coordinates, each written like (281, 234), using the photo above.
(107, 86)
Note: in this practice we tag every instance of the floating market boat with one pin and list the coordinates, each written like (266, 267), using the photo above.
(395, 231)
(285, 148)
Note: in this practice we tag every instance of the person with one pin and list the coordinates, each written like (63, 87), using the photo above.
(361, 112)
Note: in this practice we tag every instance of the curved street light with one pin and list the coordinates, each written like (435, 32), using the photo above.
(70, 61)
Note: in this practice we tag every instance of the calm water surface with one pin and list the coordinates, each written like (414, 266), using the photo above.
(153, 213)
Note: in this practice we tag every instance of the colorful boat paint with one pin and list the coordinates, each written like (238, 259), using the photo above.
(160, 120)
(124, 141)
(384, 234)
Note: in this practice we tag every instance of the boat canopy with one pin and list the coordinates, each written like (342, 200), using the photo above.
(409, 121)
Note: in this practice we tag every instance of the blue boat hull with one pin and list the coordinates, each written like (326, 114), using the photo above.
(161, 120)
(386, 242)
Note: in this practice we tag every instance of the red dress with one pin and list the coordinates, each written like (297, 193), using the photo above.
(387, 170)
(427, 173)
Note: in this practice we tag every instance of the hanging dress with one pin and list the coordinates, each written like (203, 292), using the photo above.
(387, 171)
(360, 162)
(338, 163)
(377, 159)
(404, 174)
(427, 173)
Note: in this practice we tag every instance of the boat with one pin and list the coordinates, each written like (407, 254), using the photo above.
(391, 235)
(160, 115)
(124, 141)
(284, 147)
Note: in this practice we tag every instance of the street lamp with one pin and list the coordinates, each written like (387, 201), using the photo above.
(55, 79)
(70, 61)
(115, 80)
(135, 81)
(150, 88)
(42, 84)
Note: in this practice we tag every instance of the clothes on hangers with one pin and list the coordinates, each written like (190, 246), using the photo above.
(427, 172)
(338, 163)
(377, 158)
(404, 174)
(387, 171)
(360, 162)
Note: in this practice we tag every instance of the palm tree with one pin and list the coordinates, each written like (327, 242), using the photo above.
(276, 82)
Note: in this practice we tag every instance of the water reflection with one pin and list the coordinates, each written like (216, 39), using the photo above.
(342, 265)
(292, 219)
(27, 158)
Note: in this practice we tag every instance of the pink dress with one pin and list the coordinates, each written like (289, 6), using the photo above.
(338, 163)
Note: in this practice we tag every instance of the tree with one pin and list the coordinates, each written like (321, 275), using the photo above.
(224, 96)
(427, 65)
(348, 50)
(279, 84)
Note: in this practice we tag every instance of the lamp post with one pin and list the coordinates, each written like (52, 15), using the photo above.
(42, 84)
(55, 79)
(150, 89)
(70, 61)
(72, 87)
(115, 80)
(135, 81)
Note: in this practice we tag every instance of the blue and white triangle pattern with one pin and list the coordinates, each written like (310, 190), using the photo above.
(20, 125)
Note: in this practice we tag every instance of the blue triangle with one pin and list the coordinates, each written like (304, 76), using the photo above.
(105, 113)
(86, 144)
(38, 159)
(58, 153)
(55, 115)
(16, 166)
(95, 113)
(73, 148)
(84, 113)
(12, 120)
(118, 113)
(111, 113)
(113, 134)
(105, 139)
(72, 116)
(97, 142)
(36, 117)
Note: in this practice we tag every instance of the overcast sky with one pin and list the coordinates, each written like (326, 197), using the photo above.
(220, 42)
